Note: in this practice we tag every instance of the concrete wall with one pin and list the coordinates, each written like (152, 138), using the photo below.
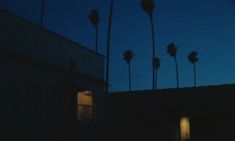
(27, 39)
(29, 101)
(38, 88)
(147, 116)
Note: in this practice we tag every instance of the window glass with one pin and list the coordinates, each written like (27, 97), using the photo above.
(84, 105)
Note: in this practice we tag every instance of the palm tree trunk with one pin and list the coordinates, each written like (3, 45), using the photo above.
(177, 74)
(42, 12)
(194, 72)
(108, 47)
(129, 71)
(96, 39)
(153, 52)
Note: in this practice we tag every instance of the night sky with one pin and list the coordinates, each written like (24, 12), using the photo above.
(207, 26)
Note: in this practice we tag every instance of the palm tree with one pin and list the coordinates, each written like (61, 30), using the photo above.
(171, 49)
(148, 6)
(94, 19)
(127, 56)
(192, 57)
(108, 47)
(156, 64)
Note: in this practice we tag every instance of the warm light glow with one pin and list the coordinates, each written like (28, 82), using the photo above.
(184, 129)
(84, 105)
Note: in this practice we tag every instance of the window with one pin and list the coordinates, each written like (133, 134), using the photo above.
(84, 105)
(184, 129)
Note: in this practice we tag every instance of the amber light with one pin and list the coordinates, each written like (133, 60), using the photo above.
(184, 129)
(84, 105)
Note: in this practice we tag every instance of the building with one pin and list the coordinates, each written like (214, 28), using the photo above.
(51, 87)
(202, 113)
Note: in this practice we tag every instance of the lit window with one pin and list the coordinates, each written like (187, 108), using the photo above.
(184, 129)
(84, 105)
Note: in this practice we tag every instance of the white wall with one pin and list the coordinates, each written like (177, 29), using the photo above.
(25, 38)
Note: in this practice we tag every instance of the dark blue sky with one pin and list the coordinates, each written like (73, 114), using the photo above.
(207, 26)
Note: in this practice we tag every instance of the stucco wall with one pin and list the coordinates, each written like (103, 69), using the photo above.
(142, 115)
(27, 39)
(33, 93)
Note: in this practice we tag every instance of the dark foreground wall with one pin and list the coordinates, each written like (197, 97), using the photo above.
(40, 75)
(147, 115)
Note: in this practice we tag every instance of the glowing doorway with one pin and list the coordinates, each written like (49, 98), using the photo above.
(184, 129)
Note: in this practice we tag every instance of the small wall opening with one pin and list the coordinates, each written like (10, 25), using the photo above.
(84, 105)
(184, 129)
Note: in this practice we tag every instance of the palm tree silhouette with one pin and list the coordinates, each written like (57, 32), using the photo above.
(94, 19)
(171, 50)
(148, 6)
(127, 56)
(192, 57)
(108, 47)
(156, 64)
